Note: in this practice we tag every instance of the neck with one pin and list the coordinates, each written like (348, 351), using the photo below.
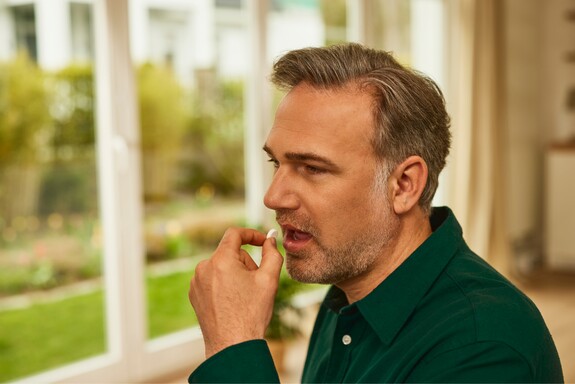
(414, 229)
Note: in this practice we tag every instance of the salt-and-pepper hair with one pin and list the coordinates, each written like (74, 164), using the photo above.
(408, 107)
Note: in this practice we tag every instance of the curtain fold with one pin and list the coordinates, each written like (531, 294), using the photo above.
(475, 100)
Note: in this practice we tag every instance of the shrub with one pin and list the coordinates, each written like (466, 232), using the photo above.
(24, 113)
(24, 129)
(69, 182)
(73, 112)
(214, 141)
(162, 122)
(69, 188)
(162, 109)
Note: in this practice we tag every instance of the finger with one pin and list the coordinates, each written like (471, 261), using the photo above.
(234, 238)
(198, 271)
(247, 260)
(272, 259)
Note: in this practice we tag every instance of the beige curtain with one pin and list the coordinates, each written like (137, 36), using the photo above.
(475, 101)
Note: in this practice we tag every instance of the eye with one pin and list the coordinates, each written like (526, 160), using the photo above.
(275, 163)
(314, 170)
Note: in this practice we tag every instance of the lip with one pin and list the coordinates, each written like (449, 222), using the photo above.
(294, 240)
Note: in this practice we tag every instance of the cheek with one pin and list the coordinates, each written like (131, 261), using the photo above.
(347, 216)
(345, 208)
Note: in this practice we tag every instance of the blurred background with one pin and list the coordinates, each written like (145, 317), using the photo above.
(131, 135)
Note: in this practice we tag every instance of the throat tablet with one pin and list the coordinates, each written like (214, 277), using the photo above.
(272, 233)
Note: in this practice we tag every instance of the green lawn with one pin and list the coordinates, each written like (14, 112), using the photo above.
(168, 307)
(48, 335)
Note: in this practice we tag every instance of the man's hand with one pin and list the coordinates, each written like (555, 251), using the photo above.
(232, 296)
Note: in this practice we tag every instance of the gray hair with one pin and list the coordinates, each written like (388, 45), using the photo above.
(408, 107)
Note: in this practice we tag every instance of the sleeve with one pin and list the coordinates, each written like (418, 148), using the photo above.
(247, 362)
(485, 362)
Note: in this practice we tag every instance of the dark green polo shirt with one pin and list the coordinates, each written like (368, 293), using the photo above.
(443, 316)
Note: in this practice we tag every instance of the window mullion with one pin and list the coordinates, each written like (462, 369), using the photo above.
(120, 185)
(357, 20)
(257, 111)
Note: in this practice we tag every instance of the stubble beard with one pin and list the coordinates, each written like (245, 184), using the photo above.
(322, 264)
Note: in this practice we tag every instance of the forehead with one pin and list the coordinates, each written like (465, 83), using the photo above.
(332, 122)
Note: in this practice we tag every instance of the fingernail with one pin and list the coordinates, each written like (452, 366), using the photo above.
(273, 233)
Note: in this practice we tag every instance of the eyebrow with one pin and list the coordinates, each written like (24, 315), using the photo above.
(305, 156)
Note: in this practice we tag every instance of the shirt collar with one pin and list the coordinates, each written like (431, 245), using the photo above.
(412, 279)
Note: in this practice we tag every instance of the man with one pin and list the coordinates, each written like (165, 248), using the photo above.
(358, 143)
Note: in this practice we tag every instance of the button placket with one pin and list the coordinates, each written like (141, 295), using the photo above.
(344, 333)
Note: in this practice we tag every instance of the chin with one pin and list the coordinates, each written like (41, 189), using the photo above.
(299, 270)
(305, 273)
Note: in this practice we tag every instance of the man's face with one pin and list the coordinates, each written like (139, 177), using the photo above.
(336, 219)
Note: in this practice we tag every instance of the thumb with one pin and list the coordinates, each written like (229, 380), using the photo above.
(272, 259)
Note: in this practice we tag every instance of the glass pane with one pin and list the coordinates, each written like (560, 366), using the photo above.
(191, 117)
(51, 302)
(296, 24)
(23, 19)
(390, 22)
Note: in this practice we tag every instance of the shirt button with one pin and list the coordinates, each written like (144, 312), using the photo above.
(346, 339)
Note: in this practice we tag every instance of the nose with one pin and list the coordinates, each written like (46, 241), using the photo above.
(281, 193)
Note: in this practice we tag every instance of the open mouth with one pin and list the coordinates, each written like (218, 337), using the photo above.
(294, 240)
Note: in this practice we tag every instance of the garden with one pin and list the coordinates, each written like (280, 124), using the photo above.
(50, 231)
(192, 151)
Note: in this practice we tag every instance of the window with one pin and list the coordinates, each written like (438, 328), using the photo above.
(51, 296)
(191, 134)
(81, 32)
(24, 22)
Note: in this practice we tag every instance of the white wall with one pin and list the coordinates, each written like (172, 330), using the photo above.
(428, 53)
(525, 127)
(538, 37)
(559, 40)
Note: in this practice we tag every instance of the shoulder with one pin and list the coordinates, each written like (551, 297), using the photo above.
(498, 309)
(483, 312)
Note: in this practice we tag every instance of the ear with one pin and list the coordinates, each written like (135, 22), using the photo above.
(408, 181)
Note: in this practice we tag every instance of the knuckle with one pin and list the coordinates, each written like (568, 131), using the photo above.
(230, 231)
(229, 234)
(209, 267)
(200, 267)
(233, 229)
